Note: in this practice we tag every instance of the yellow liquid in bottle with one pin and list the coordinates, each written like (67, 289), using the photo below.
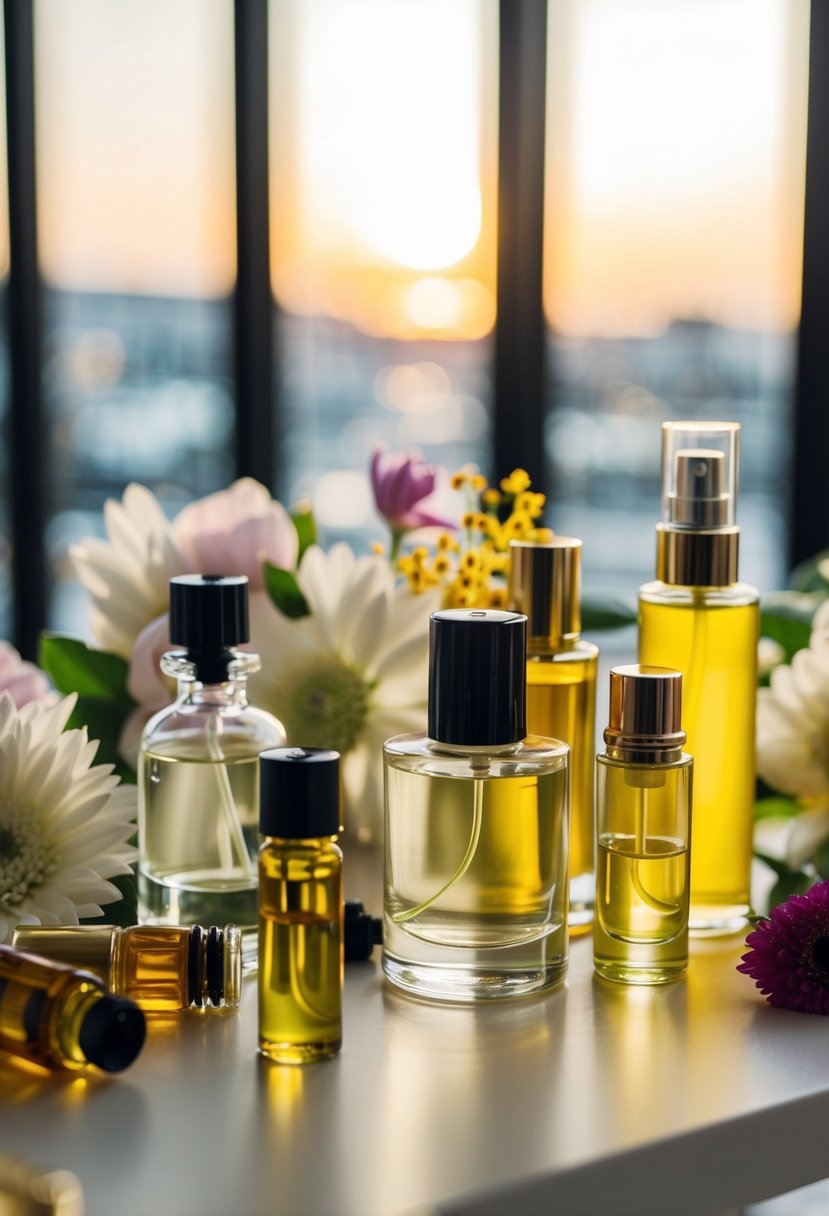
(561, 704)
(300, 951)
(710, 635)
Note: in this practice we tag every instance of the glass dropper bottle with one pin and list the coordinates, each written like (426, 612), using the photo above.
(198, 777)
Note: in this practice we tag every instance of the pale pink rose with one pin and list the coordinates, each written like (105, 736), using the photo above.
(23, 681)
(235, 530)
(146, 684)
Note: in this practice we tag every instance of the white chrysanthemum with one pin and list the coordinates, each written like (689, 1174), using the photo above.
(793, 739)
(64, 823)
(127, 576)
(351, 674)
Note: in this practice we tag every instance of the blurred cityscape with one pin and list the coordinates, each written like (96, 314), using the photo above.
(139, 389)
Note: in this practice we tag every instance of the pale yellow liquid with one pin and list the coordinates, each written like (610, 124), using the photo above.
(714, 645)
(641, 931)
(300, 954)
(476, 882)
(198, 834)
(561, 704)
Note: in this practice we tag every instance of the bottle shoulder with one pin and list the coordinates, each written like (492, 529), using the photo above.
(419, 754)
(684, 761)
(734, 595)
(237, 731)
(577, 651)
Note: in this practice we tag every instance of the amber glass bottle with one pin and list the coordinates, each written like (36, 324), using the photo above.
(55, 1016)
(163, 968)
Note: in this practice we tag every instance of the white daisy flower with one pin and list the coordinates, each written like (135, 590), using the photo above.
(351, 674)
(127, 576)
(793, 739)
(64, 822)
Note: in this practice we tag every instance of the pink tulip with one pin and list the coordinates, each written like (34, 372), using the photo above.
(235, 530)
(23, 681)
(402, 483)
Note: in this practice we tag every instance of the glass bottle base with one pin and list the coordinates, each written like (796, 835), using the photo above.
(717, 920)
(299, 1053)
(638, 973)
(468, 984)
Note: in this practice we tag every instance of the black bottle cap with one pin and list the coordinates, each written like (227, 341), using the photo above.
(299, 792)
(112, 1033)
(208, 612)
(362, 932)
(477, 677)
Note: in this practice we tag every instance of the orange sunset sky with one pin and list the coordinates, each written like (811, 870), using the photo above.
(676, 137)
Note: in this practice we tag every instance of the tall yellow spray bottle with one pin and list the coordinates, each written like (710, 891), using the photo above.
(698, 618)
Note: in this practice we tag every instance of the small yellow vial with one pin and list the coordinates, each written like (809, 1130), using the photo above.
(300, 905)
(545, 584)
(163, 968)
(643, 814)
(57, 1017)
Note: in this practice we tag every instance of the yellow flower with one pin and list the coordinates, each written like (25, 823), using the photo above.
(517, 482)
(543, 536)
(447, 542)
(497, 597)
(441, 564)
(378, 548)
(457, 480)
(490, 498)
(479, 482)
(471, 561)
(468, 519)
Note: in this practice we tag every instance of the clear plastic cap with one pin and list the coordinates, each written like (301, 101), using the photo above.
(700, 474)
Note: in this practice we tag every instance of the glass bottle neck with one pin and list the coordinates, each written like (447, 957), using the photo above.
(214, 678)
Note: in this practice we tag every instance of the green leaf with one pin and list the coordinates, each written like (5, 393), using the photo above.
(606, 612)
(104, 721)
(786, 618)
(282, 587)
(124, 911)
(809, 576)
(789, 882)
(776, 807)
(75, 667)
(306, 526)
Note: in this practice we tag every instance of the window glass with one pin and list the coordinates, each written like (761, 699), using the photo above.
(136, 214)
(383, 247)
(675, 170)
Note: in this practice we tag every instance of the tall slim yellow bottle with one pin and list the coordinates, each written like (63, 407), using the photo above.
(698, 618)
(545, 584)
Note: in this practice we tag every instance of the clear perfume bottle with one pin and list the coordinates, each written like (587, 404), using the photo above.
(698, 618)
(163, 968)
(476, 826)
(643, 813)
(545, 584)
(198, 777)
(300, 906)
(55, 1016)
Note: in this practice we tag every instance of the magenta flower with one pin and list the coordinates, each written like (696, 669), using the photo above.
(402, 483)
(789, 955)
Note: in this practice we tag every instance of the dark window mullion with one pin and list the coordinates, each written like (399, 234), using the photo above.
(520, 329)
(254, 360)
(810, 517)
(27, 439)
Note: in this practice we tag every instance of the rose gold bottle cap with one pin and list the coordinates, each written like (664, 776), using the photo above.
(645, 710)
(545, 584)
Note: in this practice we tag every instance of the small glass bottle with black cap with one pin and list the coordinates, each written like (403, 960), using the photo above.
(476, 826)
(163, 968)
(300, 905)
(198, 777)
(57, 1017)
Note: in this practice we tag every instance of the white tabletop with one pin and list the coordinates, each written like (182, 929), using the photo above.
(684, 1099)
